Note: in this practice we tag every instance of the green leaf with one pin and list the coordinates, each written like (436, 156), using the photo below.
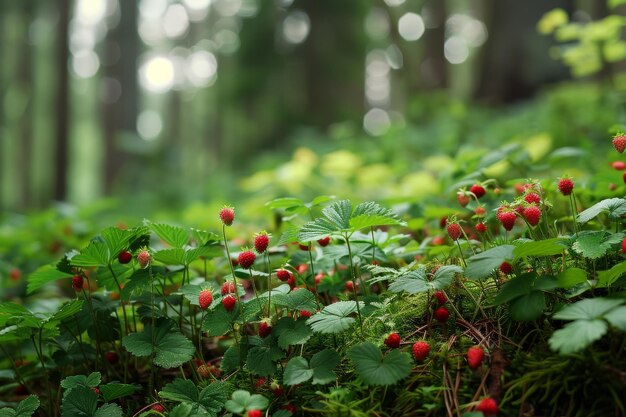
(594, 245)
(606, 278)
(338, 214)
(218, 321)
(230, 360)
(109, 410)
(44, 275)
(83, 401)
(528, 307)
(334, 318)
(115, 390)
(68, 309)
(577, 335)
(375, 369)
(174, 256)
(371, 214)
(261, 359)
(171, 348)
(323, 363)
(588, 309)
(180, 390)
(174, 236)
(297, 371)
(292, 332)
(302, 299)
(284, 203)
(615, 207)
(181, 410)
(572, 277)
(617, 317)
(547, 247)
(483, 264)
(91, 381)
(95, 254)
(25, 408)
(208, 402)
(241, 401)
(415, 281)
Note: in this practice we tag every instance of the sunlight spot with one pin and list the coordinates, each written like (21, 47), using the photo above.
(157, 74)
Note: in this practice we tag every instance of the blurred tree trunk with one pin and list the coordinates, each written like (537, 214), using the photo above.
(25, 80)
(434, 67)
(62, 102)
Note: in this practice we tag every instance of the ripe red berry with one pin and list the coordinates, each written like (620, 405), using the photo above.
(254, 413)
(488, 406)
(227, 215)
(112, 357)
(264, 329)
(283, 275)
(289, 407)
(318, 278)
(624, 246)
(438, 241)
(619, 142)
(478, 190)
(15, 274)
(443, 221)
(393, 340)
(421, 350)
(276, 389)
(302, 268)
(442, 314)
(350, 286)
(260, 382)
(507, 218)
(454, 231)
(292, 282)
(481, 227)
(506, 268)
(77, 282)
(462, 198)
(480, 211)
(246, 259)
(305, 313)
(532, 198)
(124, 257)
(204, 371)
(324, 242)
(475, 356)
(532, 214)
(618, 165)
(158, 408)
(96, 390)
(228, 287)
(441, 297)
(261, 241)
(229, 302)
(143, 258)
(304, 247)
(565, 186)
(205, 298)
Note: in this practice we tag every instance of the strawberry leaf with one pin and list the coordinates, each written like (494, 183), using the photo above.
(115, 390)
(577, 335)
(171, 348)
(208, 402)
(614, 207)
(547, 247)
(174, 236)
(25, 408)
(320, 369)
(297, 371)
(44, 275)
(242, 401)
(334, 318)
(375, 369)
(292, 332)
(416, 281)
(483, 264)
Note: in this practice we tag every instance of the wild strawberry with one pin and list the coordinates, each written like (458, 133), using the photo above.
(289, 407)
(204, 371)
(454, 231)
(96, 390)
(304, 247)
(480, 211)
(264, 329)
(532, 214)
(441, 314)
(618, 165)
(612, 186)
(421, 350)
(624, 246)
(520, 188)
(283, 275)
(15, 274)
(229, 302)
(438, 241)
(475, 356)
(228, 287)
(441, 297)
(462, 198)
(443, 221)
(125, 257)
(507, 218)
(488, 406)
(480, 227)
(246, 259)
(324, 241)
(205, 299)
(292, 282)
(532, 198)
(77, 282)
(318, 278)
(112, 357)
(619, 142)
(506, 268)
(305, 313)
(260, 382)
(565, 186)
(302, 268)
(276, 389)
(261, 241)
(158, 408)
(254, 413)
(350, 286)
(393, 340)
(478, 190)
(143, 258)
(234, 262)
(227, 215)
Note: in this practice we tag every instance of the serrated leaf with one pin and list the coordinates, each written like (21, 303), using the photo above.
(334, 318)
(241, 401)
(171, 348)
(291, 332)
(528, 307)
(594, 245)
(68, 309)
(173, 256)
(547, 247)
(375, 369)
(44, 275)
(174, 236)
(322, 364)
(572, 277)
(416, 281)
(483, 264)
(91, 381)
(284, 203)
(24, 408)
(95, 254)
(297, 371)
(338, 214)
(208, 402)
(577, 335)
(83, 401)
(231, 359)
(115, 390)
(302, 299)
(181, 410)
(260, 361)
(606, 278)
(614, 207)
(371, 214)
(588, 309)
(109, 410)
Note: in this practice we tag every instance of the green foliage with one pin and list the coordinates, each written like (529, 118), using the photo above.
(298, 370)
(168, 347)
(483, 264)
(206, 402)
(25, 408)
(374, 368)
(416, 281)
(334, 318)
(242, 401)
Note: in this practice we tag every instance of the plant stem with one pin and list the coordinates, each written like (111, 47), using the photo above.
(256, 294)
(317, 296)
(353, 273)
(461, 252)
(573, 207)
(230, 263)
(117, 282)
(39, 352)
(269, 283)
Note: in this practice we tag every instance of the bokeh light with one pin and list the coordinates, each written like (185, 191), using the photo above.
(156, 74)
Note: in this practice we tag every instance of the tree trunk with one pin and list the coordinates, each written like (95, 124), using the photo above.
(62, 103)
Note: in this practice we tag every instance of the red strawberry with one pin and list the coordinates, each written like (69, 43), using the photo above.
(96, 390)
(112, 357)
(442, 314)
(205, 299)
(506, 268)
(475, 356)
(276, 389)
(488, 406)
(480, 211)
(565, 186)
(324, 242)
(421, 350)
(624, 246)
(302, 268)
(260, 382)
(438, 241)
(283, 275)
(77, 282)
(261, 241)
(480, 227)
(532, 214)
(15, 274)
(454, 231)
(443, 221)
(441, 297)
(478, 190)
(318, 278)
(227, 215)
(229, 302)
(612, 186)
(158, 408)
(393, 341)
(144, 258)
(462, 198)
(264, 329)
(350, 286)
(228, 287)
(246, 259)
(254, 413)
(507, 218)
(305, 313)
(204, 371)
(292, 282)
(619, 142)
(124, 257)
(618, 165)
(304, 247)
(289, 407)
(532, 198)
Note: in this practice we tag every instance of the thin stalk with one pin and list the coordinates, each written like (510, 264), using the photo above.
(356, 296)
(200, 336)
(87, 295)
(461, 252)
(269, 283)
(117, 282)
(256, 294)
(230, 263)
(573, 207)
(373, 245)
(182, 299)
(317, 296)
(152, 320)
(39, 352)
